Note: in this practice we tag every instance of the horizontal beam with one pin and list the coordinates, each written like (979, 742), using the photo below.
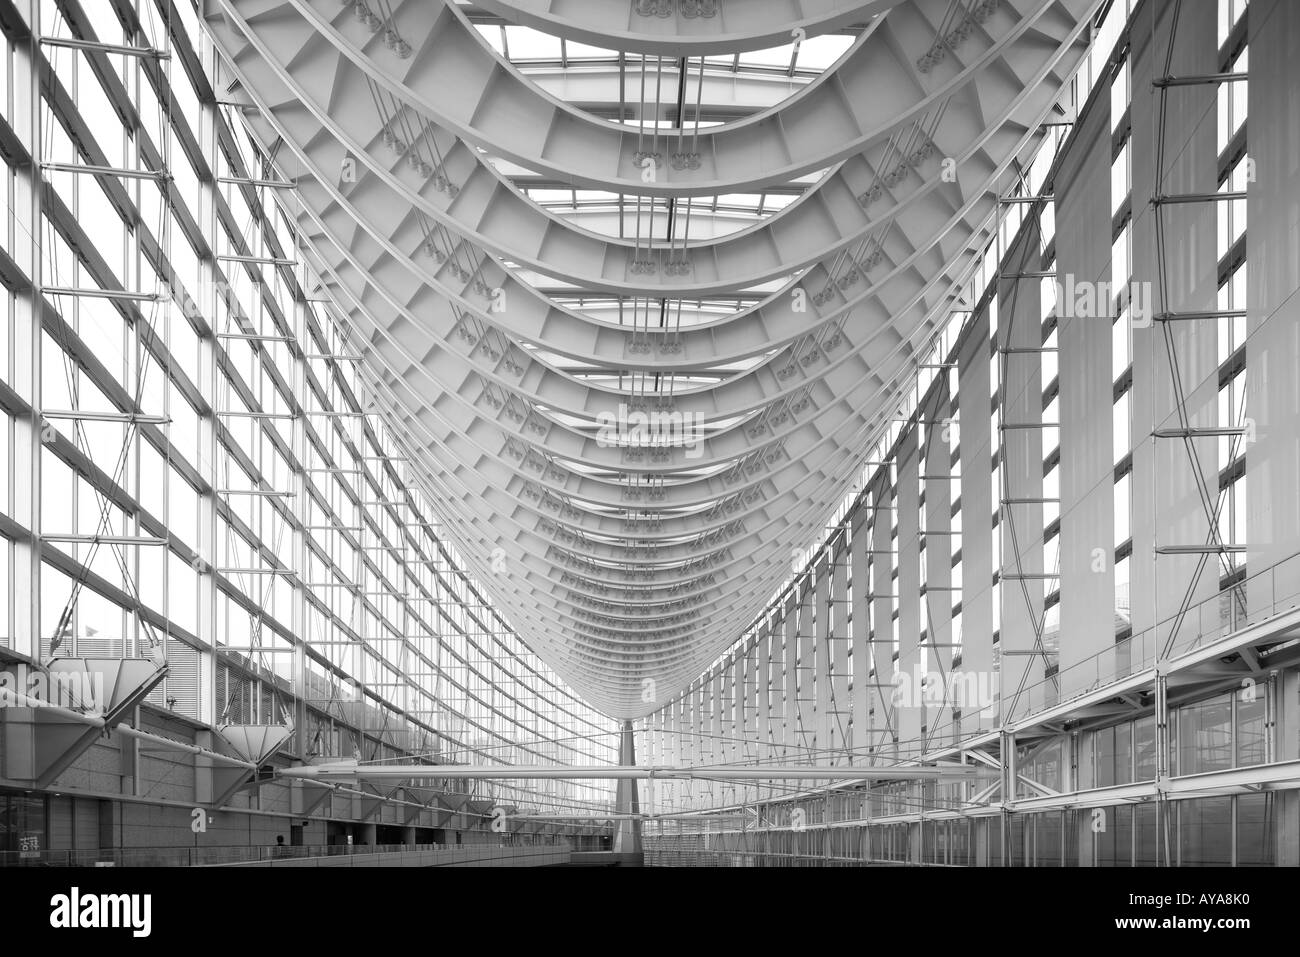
(254, 337)
(597, 818)
(243, 181)
(102, 539)
(1280, 776)
(1213, 314)
(1185, 198)
(89, 170)
(1202, 79)
(94, 46)
(125, 418)
(1199, 549)
(568, 772)
(258, 260)
(14, 698)
(1206, 431)
(92, 293)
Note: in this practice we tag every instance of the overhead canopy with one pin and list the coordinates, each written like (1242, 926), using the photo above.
(635, 382)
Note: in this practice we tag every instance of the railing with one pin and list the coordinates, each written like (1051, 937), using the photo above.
(209, 856)
(1251, 601)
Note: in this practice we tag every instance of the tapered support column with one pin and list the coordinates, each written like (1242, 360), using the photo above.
(627, 837)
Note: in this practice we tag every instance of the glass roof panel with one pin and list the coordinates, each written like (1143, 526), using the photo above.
(491, 33)
(773, 56)
(818, 53)
(581, 51)
(525, 43)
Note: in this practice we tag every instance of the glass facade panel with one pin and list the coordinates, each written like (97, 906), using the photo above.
(1205, 832)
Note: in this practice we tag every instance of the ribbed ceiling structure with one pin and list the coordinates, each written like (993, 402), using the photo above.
(630, 428)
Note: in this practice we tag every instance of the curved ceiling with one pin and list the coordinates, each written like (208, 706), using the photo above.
(688, 28)
(632, 430)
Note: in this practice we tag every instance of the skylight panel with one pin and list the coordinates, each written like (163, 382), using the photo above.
(492, 34)
(528, 44)
(773, 56)
(581, 51)
(818, 53)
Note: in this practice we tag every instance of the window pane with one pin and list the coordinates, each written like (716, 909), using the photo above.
(1205, 736)
(1255, 838)
(1205, 832)
(1250, 725)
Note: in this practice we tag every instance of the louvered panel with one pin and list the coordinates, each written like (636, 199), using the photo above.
(180, 690)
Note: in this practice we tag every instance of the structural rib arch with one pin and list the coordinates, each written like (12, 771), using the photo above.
(844, 355)
(677, 28)
(754, 392)
(614, 668)
(632, 557)
(483, 494)
(851, 208)
(775, 323)
(512, 118)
